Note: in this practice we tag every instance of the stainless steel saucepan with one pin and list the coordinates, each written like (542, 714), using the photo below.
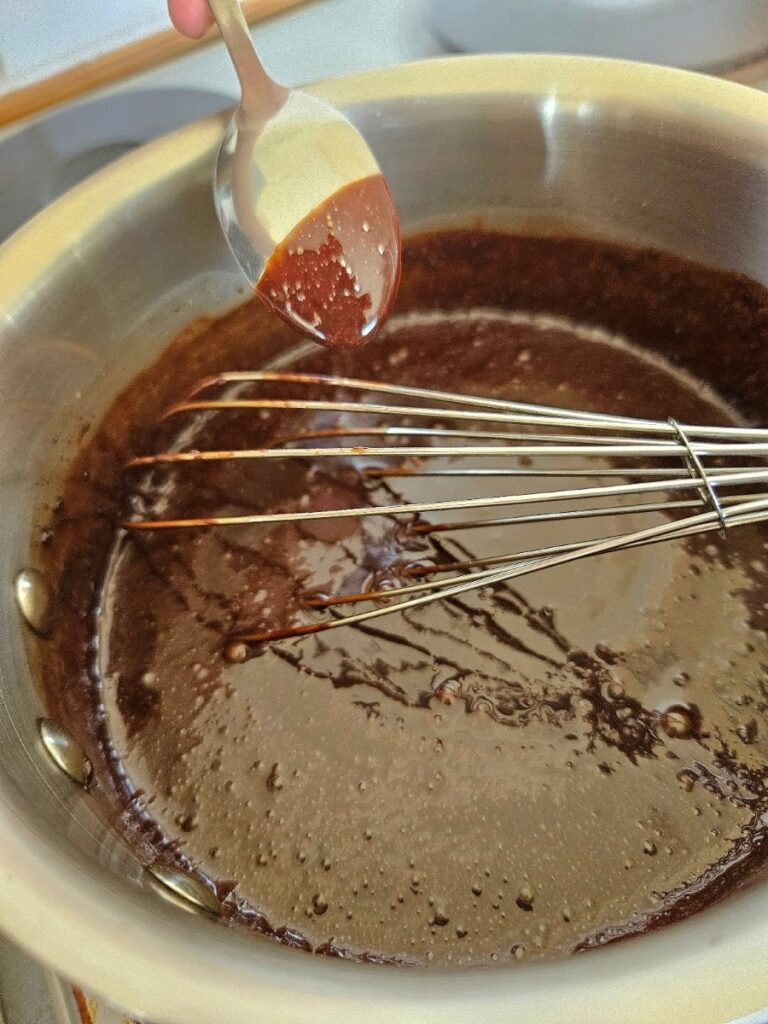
(94, 287)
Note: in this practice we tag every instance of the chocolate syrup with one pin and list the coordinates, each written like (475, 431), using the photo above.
(521, 772)
(335, 276)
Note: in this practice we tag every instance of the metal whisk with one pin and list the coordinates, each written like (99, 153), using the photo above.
(706, 477)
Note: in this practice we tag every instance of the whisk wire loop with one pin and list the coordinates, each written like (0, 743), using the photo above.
(697, 471)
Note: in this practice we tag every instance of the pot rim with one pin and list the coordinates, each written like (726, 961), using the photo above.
(91, 925)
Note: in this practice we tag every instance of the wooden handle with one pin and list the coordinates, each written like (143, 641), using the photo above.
(120, 63)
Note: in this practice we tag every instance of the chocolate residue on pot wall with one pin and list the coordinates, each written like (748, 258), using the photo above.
(518, 773)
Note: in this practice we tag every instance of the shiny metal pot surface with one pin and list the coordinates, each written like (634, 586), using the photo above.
(95, 286)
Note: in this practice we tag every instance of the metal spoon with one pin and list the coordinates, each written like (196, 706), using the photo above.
(303, 204)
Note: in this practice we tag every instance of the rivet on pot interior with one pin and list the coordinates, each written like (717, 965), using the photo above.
(64, 752)
(34, 600)
(184, 890)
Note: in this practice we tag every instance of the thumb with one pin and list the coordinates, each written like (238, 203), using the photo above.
(191, 17)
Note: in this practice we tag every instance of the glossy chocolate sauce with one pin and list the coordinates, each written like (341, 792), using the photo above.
(335, 277)
(529, 770)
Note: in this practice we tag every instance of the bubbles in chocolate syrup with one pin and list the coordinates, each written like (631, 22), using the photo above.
(747, 731)
(448, 690)
(236, 652)
(681, 721)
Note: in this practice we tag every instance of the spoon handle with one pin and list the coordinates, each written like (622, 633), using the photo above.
(261, 95)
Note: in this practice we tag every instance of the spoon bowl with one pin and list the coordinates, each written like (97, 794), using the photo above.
(303, 204)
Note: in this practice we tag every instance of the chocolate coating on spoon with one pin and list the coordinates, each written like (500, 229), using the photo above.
(335, 276)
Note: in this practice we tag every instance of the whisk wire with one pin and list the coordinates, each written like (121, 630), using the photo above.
(575, 445)
(702, 523)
